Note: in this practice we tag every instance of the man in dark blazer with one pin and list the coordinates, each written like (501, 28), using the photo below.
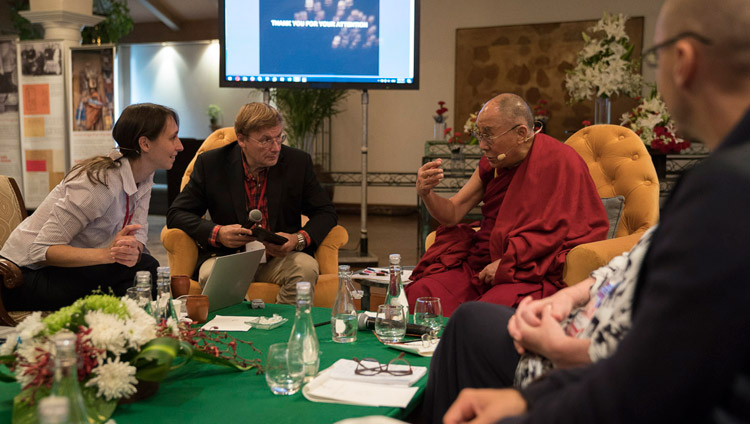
(256, 172)
(685, 359)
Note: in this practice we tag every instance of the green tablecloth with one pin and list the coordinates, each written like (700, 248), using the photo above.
(207, 393)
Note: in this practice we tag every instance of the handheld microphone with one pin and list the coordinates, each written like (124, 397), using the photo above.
(502, 156)
(260, 233)
(255, 215)
(366, 322)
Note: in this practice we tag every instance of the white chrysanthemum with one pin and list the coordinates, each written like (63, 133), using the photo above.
(9, 346)
(113, 379)
(140, 328)
(140, 331)
(107, 331)
(30, 327)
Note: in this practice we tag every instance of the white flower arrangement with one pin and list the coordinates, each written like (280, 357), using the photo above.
(117, 343)
(604, 67)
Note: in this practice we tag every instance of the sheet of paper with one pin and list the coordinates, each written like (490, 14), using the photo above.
(329, 390)
(372, 274)
(415, 347)
(227, 323)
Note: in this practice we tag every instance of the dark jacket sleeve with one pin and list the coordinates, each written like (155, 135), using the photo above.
(686, 357)
(188, 208)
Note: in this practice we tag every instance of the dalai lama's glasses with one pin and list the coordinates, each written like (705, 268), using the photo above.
(487, 138)
(651, 56)
(268, 141)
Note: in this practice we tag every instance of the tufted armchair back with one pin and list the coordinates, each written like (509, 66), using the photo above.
(218, 138)
(620, 165)
(12, 208)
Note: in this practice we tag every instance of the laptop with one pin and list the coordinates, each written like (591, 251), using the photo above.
(230, 277)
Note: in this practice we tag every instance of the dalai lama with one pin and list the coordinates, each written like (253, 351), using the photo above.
(538, 203)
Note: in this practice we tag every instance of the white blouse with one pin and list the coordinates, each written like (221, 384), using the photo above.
(82, 214)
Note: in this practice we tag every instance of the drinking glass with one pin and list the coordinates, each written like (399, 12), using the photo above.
(390, 323)
(429, 312)
(284, 369)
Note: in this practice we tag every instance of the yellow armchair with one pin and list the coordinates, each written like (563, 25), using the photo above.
(620, 165)
(182, 251)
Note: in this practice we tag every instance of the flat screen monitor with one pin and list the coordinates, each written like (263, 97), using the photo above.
(357, 44)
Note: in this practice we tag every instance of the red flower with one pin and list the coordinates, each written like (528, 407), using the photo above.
(456, 138)
(441, 103)
(586, 123)
(447, 131)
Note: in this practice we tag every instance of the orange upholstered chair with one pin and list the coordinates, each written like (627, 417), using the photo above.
(182, 251)
(620, 165)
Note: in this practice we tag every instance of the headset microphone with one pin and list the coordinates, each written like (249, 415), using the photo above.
(502, 156)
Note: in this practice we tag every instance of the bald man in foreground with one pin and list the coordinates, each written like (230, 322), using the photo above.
(538, 202)
(685, 358)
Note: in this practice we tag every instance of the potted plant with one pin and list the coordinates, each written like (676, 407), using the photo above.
(214, 113)
(304, 110)
(117, 23)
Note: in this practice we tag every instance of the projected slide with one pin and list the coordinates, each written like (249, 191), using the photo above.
(319, 37)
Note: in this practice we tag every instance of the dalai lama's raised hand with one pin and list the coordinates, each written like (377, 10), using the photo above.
(429, 176)
(487, 275)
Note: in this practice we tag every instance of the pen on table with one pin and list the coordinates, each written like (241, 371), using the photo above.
(319, 324)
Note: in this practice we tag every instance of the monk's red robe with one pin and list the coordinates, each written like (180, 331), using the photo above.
(532, 216)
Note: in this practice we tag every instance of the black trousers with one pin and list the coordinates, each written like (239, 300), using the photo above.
(475, 351)
(50, 288)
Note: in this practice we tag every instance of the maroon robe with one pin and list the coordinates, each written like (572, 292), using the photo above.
(532, 216)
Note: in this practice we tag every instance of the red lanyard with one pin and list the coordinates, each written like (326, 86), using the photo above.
(128, 215)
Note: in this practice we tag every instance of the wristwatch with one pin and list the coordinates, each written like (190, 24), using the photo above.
(300, 242)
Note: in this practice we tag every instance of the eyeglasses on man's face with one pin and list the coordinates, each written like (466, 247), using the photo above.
(268, 141)
(484, 137)
(396, 366)
(651, 56)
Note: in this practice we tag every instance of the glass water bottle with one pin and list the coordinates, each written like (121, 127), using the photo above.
(396, 294)
(343, 313)
(303, 340)
(66, 377)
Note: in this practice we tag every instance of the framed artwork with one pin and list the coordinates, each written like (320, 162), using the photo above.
(530, 60)
(92, 101)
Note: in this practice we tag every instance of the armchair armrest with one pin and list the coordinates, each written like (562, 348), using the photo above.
(327, 253)
(584, 258)
(182, 251)
(11, 277)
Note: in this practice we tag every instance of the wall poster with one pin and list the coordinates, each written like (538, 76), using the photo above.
(10, 133)
(42, 109)
(92, 101)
